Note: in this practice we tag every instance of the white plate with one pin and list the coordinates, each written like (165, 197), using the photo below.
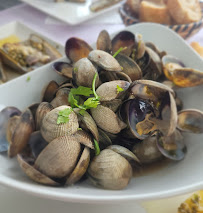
(174, 179)
(23, 32)
(71, 13)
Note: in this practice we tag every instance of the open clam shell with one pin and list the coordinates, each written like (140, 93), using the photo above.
(20, 133)
(190, 120)
(172, 146)
(104, 41)
(76, 49)
(33, 173)
(63, 68)
(123, 39)
(130, 67)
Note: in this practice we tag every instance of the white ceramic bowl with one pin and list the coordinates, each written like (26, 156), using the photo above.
(174, 179)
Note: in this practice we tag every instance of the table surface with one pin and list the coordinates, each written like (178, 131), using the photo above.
(12, 200)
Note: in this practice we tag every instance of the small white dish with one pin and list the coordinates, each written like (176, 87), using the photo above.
(69, 12)
(175, 178)
(23, 32)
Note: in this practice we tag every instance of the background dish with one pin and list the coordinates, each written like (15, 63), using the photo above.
(184, 30)
(22, 32)
(71, 13)
(163, 183)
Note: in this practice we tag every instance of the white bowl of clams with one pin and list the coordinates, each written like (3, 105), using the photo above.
(124, 136)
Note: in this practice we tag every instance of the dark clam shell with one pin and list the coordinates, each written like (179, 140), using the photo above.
(76, 49)
(63, 68)
(173, 146)
(134, 111)
(5, 114)
(123, 39)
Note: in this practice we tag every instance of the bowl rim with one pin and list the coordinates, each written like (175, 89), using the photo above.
(124, 12)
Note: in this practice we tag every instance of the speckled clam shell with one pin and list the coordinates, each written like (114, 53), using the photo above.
(51, 130)
(58, 158)
(109, 170)
(104, 60)
(107, 120)
(109, 90)
(84, 72)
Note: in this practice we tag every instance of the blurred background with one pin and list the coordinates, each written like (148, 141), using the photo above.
(8, 3)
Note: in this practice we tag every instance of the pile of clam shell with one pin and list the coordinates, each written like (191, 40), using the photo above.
(139, 119)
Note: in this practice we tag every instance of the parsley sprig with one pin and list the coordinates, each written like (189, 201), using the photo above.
(63, 115)
(119, 89)
(92, 102)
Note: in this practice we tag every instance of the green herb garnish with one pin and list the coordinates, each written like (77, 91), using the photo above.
(96, 147)
(92, 102)
(119, 50)
(79, 128)
(86, 91)
(28, 79)
(63, 115)
(119, 89)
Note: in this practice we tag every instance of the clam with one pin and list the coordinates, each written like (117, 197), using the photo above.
(126, 153)
(42, 110)
(172, 146)
(51, 130)
(5, 115)
(123, 39)
(63, 68)
(104, 41)
(84, 72)
(110, 90)
(181, 76)
(104, 139)
(59, 157)
(130, 67)
(76, 49)
(61, 97)
(50, 91)
(104, 60)
(109, 170)
(33, 173)
(190, 120)
(107, 120)
(88, 122)
(154, 69)
(80, 168)
(36, 143)
(147, 151)
(20, 132)
(134, 111)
